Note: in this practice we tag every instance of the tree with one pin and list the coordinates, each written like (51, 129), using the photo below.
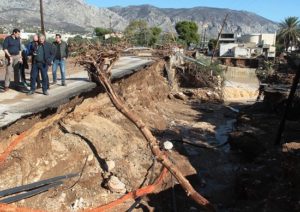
(138, 33)
(101, 32)
(212, 44)
(290, 32)
(154, 35)
(188, 32)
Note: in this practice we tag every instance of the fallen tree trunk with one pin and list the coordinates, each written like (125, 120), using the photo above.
(97, 69)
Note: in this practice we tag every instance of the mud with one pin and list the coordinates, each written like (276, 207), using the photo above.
(92, 131)
(87, 134)
(268, 179)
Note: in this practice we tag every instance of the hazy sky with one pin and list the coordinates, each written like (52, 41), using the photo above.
(275, 10)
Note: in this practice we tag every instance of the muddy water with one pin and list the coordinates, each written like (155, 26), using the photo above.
(241, 85)
(222, 132)
(217, 167)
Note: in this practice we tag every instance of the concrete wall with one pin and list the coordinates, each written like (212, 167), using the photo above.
(268, 39)
(242, 52)
(226, 49)
(252, 38)
(264, 38)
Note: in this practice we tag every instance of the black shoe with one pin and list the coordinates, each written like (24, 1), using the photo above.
(63, 84)
(30, 93)
(24, 84)
(38, 86)
(46, 93)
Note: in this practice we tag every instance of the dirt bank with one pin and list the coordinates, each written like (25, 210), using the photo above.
(89, 136)
(85, 138)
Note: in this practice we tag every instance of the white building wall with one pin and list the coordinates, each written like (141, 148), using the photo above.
(268, 39)
(251, 38)
(226, 49)
(242, 52)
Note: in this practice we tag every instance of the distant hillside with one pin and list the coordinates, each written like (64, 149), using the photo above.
(69, 15)
(212, 18)
(77, 16)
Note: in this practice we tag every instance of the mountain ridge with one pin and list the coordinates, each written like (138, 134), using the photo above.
(78, 16)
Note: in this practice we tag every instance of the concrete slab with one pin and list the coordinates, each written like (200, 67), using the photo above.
(128, 65)
(15, 105)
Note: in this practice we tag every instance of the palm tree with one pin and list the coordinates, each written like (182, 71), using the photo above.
(290, 31)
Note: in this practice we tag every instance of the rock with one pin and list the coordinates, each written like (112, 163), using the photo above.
(189, 93)
(170, 96)
(90, 158)
(78, 204)
(115, 185)
(180, 96)
(209, 93)
(168, 145)
(110, 165)
(248, 143)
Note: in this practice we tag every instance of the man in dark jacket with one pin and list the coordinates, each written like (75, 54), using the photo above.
(42, 60)
(12, 49)
(61, 55)
(31, 51)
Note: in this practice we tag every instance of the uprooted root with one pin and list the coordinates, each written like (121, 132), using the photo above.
(96, 65)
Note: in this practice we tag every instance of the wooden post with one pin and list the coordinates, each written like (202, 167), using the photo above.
(42, 18)
(214, 50)
(289, 102)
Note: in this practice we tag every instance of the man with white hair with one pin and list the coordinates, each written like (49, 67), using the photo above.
(31, 51)
(42, 60)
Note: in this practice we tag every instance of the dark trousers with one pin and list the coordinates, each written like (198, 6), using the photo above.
(38, 78)
(22, 73)
(36, 68)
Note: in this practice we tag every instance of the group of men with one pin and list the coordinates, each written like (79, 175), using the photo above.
(43, 55)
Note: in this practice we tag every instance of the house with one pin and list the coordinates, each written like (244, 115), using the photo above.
(226, 49)
(228, 38)
(114, 35)
(260, 39)
(248, 45)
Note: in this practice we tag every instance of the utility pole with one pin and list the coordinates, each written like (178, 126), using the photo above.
(111, 31)
(214, 51)
(42, 18)
(288, 104)
(204, 45)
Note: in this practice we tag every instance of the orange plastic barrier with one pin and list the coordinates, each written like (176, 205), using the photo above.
(132, 195)
(10, 208)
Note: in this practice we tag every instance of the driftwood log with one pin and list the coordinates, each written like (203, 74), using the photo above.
(94, 64)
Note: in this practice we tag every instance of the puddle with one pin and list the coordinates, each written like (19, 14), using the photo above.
(222, 133)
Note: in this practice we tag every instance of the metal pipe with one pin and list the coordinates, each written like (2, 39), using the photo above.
(30, 193)
(31, 186)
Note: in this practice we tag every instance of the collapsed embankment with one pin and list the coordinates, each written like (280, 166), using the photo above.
(89, 136)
